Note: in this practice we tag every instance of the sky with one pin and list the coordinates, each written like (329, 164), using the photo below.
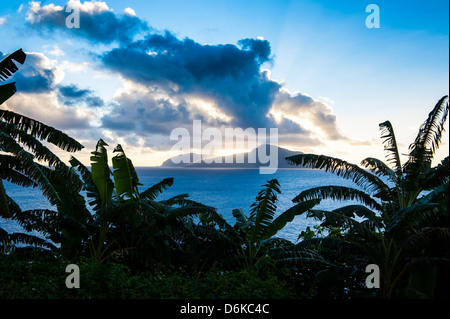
(135, 70)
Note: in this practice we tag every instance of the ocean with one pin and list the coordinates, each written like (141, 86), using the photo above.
(223, 188)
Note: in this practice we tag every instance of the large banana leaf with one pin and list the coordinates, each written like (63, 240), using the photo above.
(126, 180)
(88, 184)
(263, 210)
(41, 131)
(6, 91)
(4, 209)
(40, 151)
(381, 169)
(31, 169)
(7, 66)
(364, 179)
(153, 191)
(101, 173)
(278, 223)
(241, 220)
(428, 140)
(337, 193)
(11, 170)
(390, 145)
(438, 175)
(336, 218)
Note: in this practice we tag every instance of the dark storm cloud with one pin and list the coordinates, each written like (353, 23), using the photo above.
(229, 74)
(71, 95)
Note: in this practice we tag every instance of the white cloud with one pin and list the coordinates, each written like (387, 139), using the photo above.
(44, 63)
(57, 51)
(313, 115)
(44, 107)
(130, 12)
(2, 21)
(36, 11)
(91, 7)
(74, 67)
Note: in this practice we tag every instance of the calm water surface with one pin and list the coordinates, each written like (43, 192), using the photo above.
(224, 189)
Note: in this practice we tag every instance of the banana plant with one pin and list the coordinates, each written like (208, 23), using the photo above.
(394, 210)
(7, 69)
(129, 219)
(260, 227)
(25, 161)
(18, 132)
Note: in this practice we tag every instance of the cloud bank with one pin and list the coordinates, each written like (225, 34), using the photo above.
(169, 82)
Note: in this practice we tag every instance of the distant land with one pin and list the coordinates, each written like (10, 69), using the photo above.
(224, 161)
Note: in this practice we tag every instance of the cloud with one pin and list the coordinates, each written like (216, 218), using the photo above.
(98, 22)
(39, 96)
(130, 12)
(308, 112)
(146, 112)
(57, 51)
(74, 67)
(38, 74)
(71, 95)
(169, 82)
(44, 107)
(229, 74)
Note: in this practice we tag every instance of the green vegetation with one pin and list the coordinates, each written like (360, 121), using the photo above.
(129, 244)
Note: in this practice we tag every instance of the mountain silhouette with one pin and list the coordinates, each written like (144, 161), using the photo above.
(239, 160)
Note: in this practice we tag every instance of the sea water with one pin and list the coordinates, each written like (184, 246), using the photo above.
(223, 188)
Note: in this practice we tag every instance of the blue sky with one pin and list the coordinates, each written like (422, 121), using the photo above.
(136, 69)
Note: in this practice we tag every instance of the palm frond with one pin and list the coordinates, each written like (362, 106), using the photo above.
(4, 208)
(45, 221)
(379, 168)
(300, 257)
(437, 175)
(390, 145)
(331, 219)
(41, 152)
(30, 167)
(437, 195)
(360, 211)
(7, 65)
(278, 223)
(422, 150)
(411, 218)
(153, 191)
(92, 192)
(359, 176)
(263, 210)
(337, 193)
(216, 236)
(41, 131)
(11, 170)
(6, 91)
(186, 211)
(31, 240)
